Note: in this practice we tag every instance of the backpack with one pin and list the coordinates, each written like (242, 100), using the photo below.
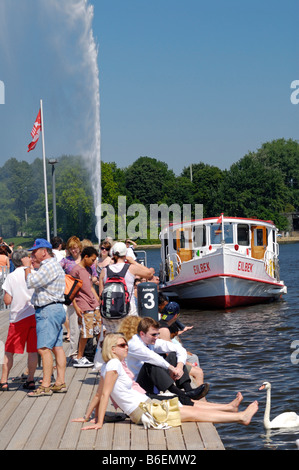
(115, 295)
(72, 287)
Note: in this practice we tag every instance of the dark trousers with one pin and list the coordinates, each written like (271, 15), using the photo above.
(150, 376)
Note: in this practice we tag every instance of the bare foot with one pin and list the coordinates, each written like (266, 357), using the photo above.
(247, 414)
(78, 420)
(236, 402)
(82, 420)
(93, 426)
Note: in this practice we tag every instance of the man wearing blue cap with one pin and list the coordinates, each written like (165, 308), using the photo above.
(48, 283)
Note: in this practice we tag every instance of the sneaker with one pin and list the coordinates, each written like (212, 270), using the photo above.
(82, 362)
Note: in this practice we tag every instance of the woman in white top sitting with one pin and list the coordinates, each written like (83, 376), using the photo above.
(115, 382)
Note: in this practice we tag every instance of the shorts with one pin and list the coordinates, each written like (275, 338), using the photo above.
(20, 334)
(90, 323)
(49, 325)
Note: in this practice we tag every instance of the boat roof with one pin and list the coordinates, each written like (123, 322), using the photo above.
(174, 225)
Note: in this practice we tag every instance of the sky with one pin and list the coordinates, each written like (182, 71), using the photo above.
(182, 81)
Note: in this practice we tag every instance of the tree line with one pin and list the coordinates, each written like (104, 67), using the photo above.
(262, 184)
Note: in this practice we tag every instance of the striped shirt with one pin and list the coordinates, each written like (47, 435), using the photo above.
(48, 283)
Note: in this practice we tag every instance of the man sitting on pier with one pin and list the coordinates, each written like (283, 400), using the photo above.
(152, 371)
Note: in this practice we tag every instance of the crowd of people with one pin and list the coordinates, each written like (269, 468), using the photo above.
(144, 358)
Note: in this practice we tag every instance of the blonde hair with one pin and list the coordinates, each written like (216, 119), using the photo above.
(85, 242)
(73, 241)
(109, 342)
(128, 326)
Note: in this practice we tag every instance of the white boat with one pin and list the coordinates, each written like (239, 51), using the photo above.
(221, 262)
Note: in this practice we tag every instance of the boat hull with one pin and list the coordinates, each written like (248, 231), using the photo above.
(223, 280)
(224, 292)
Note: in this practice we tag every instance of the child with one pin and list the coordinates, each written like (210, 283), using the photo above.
(86, 304)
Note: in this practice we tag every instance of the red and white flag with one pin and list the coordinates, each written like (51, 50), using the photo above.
(35, 132)
(219, 221)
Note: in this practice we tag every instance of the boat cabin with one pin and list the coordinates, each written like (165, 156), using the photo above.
(249, 237)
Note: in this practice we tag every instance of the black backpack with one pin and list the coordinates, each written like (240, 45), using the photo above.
(115, 295)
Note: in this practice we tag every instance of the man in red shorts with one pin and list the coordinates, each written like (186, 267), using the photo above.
(22, 326)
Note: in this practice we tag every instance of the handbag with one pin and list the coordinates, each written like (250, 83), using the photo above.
(162, 414)
(72, 287)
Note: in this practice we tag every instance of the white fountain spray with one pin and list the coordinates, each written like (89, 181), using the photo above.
(79, 16)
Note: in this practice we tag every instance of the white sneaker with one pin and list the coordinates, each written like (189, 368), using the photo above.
(82, 362)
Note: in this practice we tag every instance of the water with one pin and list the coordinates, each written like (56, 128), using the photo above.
(241, 348)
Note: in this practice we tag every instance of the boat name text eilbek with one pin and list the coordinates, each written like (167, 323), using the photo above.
(246, 267)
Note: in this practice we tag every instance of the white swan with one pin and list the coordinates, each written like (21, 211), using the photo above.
(284, 420)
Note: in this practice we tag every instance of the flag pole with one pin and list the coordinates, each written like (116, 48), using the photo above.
(45, 171)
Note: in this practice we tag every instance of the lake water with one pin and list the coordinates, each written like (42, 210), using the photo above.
(241, 348)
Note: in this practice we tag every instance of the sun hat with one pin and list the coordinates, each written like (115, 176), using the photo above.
(40, 243)
(119, 248)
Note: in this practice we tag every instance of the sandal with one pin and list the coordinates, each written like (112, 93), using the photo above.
(41, 391)
(4, 387)
(29, 385)
(58, 388)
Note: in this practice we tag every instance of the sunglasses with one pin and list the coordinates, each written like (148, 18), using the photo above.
(154, 334)
(103, 248)
(122, 345)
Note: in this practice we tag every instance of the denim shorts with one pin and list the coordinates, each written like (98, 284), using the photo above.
(49, 326)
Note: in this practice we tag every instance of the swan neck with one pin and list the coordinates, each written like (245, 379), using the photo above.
(267, 410)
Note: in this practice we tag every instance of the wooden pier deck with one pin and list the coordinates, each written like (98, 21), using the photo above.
(44, 423)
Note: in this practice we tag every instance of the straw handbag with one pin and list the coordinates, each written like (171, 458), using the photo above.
(162, 414)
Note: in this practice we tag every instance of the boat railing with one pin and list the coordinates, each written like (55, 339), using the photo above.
(271, 264)
(173, 265)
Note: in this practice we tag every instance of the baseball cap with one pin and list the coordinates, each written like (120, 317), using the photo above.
(119, 248)
(169, 311)
(40, 243)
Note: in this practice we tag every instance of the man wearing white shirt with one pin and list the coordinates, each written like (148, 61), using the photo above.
(22, 325)
(151, 370)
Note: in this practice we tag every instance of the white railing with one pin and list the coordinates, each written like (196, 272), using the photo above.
(271, 264)
(173, 265)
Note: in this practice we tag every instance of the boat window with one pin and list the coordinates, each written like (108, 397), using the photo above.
(243, 234)
(216, 233)
(199, 235)
(259, 237)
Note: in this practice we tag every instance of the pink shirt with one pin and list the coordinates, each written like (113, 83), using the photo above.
(85, 298)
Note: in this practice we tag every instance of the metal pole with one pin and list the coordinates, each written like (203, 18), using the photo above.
(45, 172)
(52, 162)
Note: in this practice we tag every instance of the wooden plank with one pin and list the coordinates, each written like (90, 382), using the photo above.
(210, 436)
(45, 422)
(175, 439)
(64, 405)
(139, 439)
(15, 419)
(23, 433)
(122, 436)
(192, 436)
(104, 438)
(156, 439)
